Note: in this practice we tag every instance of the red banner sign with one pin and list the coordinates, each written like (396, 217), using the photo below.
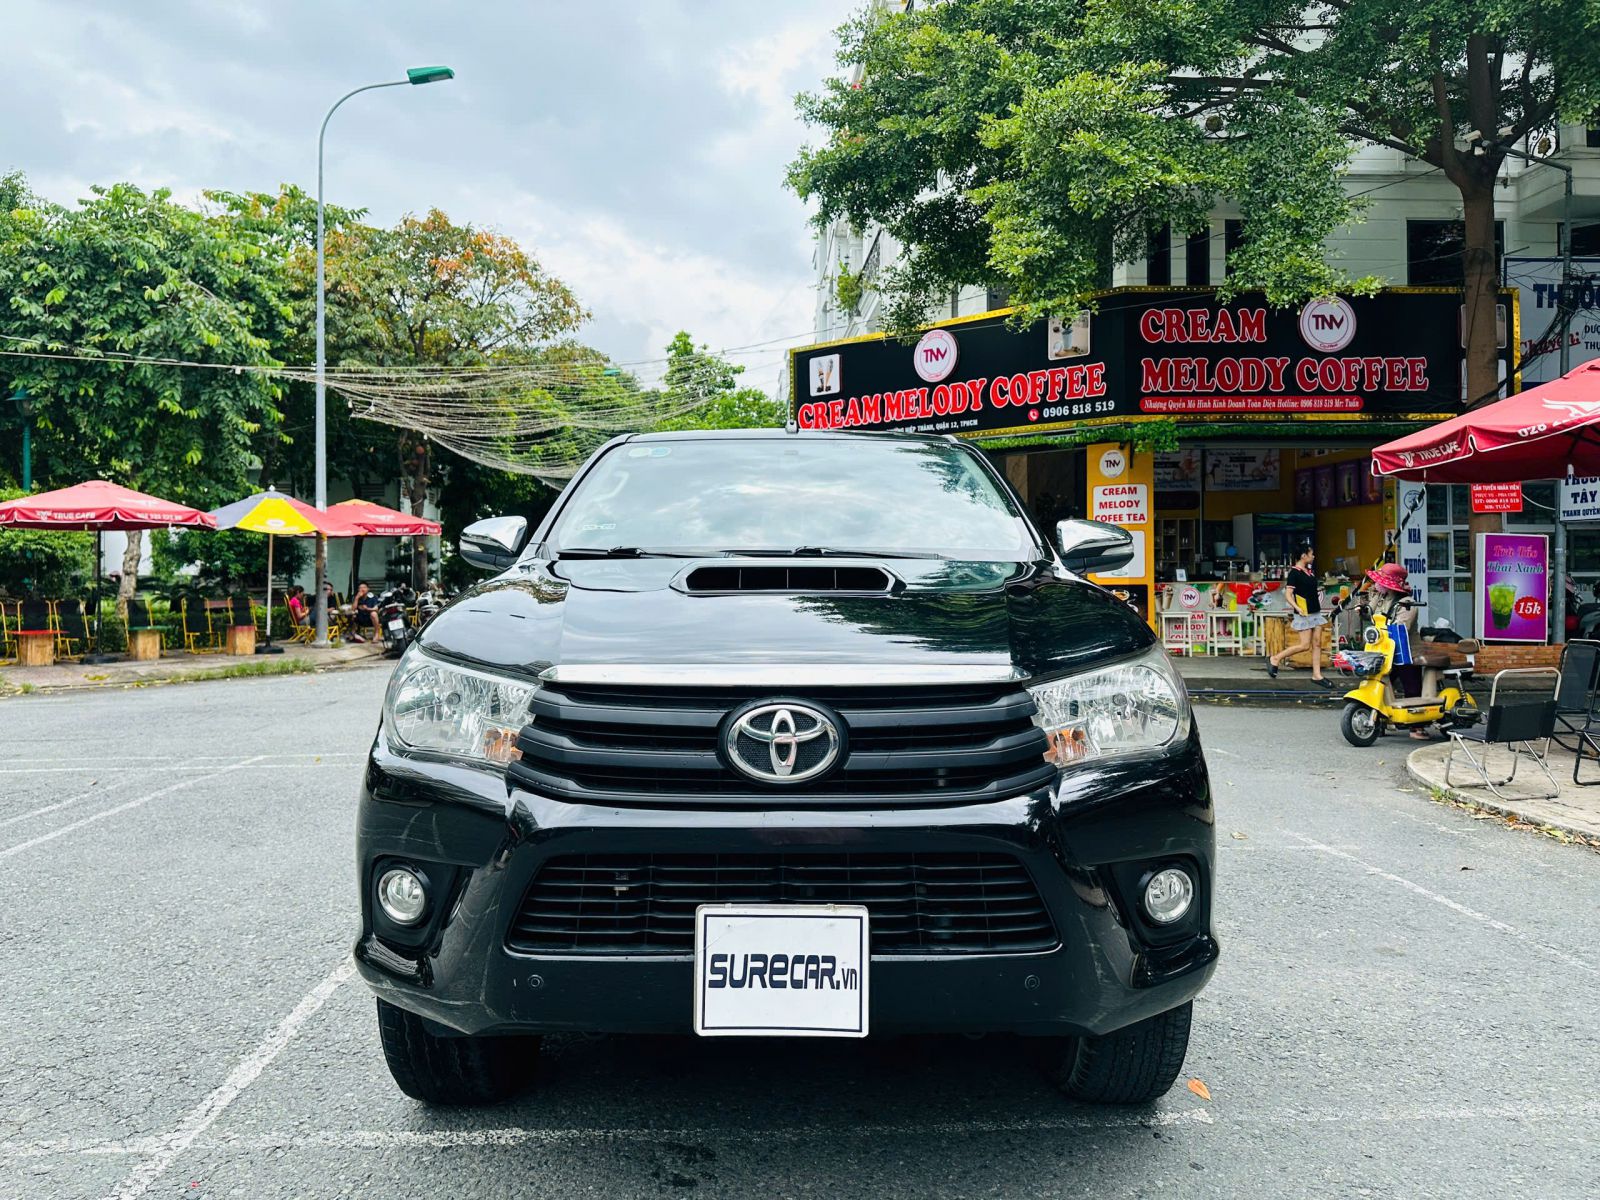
(1496, 497)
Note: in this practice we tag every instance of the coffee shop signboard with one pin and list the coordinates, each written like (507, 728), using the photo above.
(1143, 354)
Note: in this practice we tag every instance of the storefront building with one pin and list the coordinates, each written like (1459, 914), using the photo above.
(1274, 414)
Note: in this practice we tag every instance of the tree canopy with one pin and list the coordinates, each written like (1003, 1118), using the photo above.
(1032, 144)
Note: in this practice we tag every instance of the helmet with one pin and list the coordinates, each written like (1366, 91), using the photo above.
(1391, 577)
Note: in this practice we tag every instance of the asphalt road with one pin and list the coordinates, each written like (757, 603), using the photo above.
(1406, 1005)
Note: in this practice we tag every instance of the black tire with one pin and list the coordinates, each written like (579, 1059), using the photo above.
(453, 1070)
(1360, 725)
(1131, 1066)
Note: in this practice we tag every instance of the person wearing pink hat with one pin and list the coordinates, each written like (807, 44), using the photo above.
(1391, 594)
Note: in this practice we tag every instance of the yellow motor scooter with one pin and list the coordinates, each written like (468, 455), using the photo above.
(1373, 705)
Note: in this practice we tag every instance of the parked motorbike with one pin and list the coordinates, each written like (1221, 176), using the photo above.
(394, 617)
(429, 605)
(1374, 703)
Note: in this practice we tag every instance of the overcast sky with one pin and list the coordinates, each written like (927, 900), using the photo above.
(637, 147)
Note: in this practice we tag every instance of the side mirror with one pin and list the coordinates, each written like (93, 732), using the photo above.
(1093, 546)
(494, 543)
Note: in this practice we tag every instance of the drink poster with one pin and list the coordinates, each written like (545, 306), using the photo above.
(1513, 587)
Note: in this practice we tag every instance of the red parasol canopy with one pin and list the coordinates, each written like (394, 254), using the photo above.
(377, 521)
(1547, 432)
(98, 505)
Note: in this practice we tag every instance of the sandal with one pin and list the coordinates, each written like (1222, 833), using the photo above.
(1272, 670)
(1323, 682)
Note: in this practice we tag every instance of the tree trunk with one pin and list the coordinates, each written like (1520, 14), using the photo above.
(1480, 296)
(130, 571)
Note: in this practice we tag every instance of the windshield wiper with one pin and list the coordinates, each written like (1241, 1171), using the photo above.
(619, 552)
(828, 552)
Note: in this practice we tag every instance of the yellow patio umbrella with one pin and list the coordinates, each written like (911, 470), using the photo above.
(275, 514)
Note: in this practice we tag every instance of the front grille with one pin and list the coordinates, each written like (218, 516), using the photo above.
(904, 746)
(973, 903)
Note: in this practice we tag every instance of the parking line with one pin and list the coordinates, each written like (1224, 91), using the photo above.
(1073, 1120)
(39, 812)
(124, 807)
(1455, 906)
(202, 1115)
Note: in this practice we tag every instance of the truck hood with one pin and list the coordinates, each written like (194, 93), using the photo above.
(1016, 619)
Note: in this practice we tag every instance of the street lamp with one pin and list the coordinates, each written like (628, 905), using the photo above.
(414, 76)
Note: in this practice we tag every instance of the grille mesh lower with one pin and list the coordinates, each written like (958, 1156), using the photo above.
(936, 903)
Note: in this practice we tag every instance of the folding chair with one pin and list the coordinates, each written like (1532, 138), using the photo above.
(1514, 725)
(1576, 700)
(71, 628)
(8, 636)
(240, 612)
(305, 629)
(196, 626)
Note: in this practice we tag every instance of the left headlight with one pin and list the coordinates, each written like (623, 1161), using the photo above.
(1134, 707)
(439, 708)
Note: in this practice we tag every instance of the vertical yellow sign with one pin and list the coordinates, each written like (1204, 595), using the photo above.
(1121, 485)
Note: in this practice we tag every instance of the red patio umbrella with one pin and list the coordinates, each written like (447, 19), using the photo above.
(377, 521)
(98, 505)
(1547, 432)
(374, 520)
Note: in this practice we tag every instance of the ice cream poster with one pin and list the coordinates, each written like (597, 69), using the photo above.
(1513, 578)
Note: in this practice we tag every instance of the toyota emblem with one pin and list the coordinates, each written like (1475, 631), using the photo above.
(782, 742)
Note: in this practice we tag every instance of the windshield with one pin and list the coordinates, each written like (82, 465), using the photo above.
(781, 495)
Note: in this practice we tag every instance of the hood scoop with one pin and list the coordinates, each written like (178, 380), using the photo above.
(722, 579)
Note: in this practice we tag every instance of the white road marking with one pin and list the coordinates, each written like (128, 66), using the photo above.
(124, 807)
(441, 1139)
(185, 758)
(173, 763)
(39, 812)
(200, 1118)
(1456, 906)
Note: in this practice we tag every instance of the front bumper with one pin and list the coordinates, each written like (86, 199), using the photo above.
(486, 841)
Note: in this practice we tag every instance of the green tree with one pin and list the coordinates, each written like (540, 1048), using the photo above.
(700, 389)
(1031, 144)
(43, 562)
(429, 292)
(129, 273)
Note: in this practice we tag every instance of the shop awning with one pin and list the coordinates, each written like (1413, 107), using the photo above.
(1547, 432)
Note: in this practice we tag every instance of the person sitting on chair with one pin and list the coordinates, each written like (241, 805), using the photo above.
(366, 606)
(296, 603)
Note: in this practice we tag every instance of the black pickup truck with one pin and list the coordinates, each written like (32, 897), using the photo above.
(777, 734)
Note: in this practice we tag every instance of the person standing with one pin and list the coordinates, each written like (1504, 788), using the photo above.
(1307, 617)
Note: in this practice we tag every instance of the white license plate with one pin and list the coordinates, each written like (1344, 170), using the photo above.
(780, 970)
(396, 625)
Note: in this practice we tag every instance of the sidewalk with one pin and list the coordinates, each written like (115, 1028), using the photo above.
(180, 668)
(1575, 811)
(1226, 677)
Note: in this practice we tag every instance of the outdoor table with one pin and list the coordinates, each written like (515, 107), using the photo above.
(144, 645)
(36, 647)
(241, 639)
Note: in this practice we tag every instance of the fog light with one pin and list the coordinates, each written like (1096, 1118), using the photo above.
(1168, 895)
(402, 896)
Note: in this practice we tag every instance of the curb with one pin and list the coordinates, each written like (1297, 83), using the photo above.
(1488, 802)
(11, 691)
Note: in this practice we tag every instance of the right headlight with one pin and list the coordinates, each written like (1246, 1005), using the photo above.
(1134, 707)
(440, 708)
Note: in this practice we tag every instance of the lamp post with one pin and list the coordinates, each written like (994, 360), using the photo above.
(414, 76)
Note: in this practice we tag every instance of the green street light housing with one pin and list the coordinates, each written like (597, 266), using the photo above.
(418, 75)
